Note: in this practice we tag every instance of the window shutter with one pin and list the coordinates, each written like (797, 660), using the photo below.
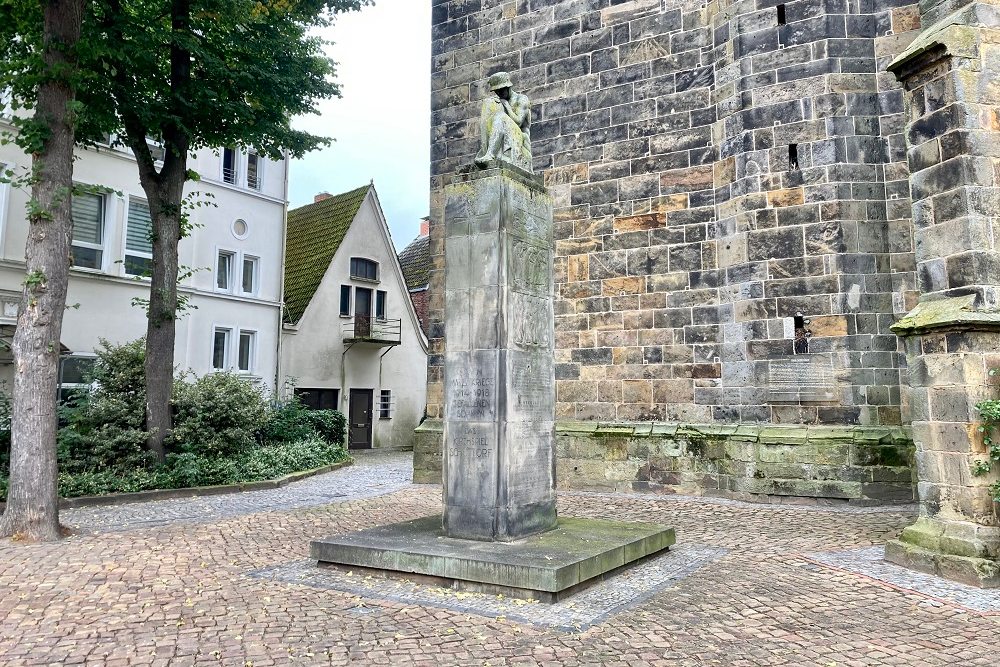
(140, 227)
(88, 222)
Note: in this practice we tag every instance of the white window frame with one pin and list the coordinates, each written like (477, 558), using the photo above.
(350, 301)
(235, 255)
(260, 171)
(72, 385)
(110, 213)
(256, 274)
(6, 104)
(237, 162)
(386, 410)
(370, 281)
(4, 200)
(125, 251)
(254, 345)
(227, 351)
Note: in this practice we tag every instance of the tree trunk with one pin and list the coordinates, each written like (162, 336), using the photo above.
(32, 508)
(165, 191)
(164, 203)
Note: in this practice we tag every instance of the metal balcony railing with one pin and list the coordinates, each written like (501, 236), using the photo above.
(368, 329)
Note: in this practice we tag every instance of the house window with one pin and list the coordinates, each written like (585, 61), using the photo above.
(156, 149)
(319, 399)
(224, 270)
(249, 282)
(5, 176)
(385, 404)
(380, 304)
(88, 230)
(220, 348)
(245, 356)
(6, 103)
(345, 300)
(364, 269)
(253, 171)
(138, 239)
(74, 374)
(229, 165)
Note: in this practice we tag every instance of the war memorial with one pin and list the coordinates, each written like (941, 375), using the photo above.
(776, 267)
(499, 531)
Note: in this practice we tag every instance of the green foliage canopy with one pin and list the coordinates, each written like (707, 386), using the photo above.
(253, 66)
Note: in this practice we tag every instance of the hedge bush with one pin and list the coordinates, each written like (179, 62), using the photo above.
(219, 414)
(226, 431)
(187, 470)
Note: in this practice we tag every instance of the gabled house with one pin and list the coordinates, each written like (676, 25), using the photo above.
(350, 338)
(416, 262)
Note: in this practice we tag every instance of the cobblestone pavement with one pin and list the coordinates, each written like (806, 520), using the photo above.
(185, 592)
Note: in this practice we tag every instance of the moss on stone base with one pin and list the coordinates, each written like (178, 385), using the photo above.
(857, 464)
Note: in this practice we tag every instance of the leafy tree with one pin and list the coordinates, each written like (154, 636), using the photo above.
(39, 63)
(193, 74)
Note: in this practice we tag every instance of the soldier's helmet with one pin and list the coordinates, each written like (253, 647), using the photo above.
(499, 80)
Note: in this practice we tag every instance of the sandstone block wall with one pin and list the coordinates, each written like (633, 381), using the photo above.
(732, 222)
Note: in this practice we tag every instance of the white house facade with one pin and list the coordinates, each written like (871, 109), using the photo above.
(234, 256)
(351, 339)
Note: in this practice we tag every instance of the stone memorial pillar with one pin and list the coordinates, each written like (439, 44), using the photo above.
(499, 531)
(499, 456)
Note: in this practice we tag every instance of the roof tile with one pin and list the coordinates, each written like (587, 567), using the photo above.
(315, 232)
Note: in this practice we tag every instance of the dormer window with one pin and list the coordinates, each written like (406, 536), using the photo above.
(363, 269)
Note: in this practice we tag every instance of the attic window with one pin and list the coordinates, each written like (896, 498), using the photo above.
(363, 269)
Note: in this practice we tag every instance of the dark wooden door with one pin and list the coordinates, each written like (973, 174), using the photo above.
(360, 425)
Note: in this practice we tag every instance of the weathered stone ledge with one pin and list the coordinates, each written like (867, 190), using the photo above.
(864, 465)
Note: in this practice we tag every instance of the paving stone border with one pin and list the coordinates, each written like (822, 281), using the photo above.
(577, 613)
(194, 491)
(870, 562)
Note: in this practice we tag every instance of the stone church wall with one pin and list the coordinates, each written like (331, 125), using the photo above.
(733, 224)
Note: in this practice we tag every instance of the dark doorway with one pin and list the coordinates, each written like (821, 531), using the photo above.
(360, 426)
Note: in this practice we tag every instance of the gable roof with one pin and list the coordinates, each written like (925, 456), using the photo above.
(315, 232)
(415, 260)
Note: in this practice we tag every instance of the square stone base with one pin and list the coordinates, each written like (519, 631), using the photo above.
(547, 566)
(979, 572)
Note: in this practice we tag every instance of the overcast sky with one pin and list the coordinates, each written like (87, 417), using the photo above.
(381, 125)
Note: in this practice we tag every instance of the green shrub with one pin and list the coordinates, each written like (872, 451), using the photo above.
(105, 423)
(990, 428)
(220, 414)
(225, 432)
(291, 421)
(330, 425)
